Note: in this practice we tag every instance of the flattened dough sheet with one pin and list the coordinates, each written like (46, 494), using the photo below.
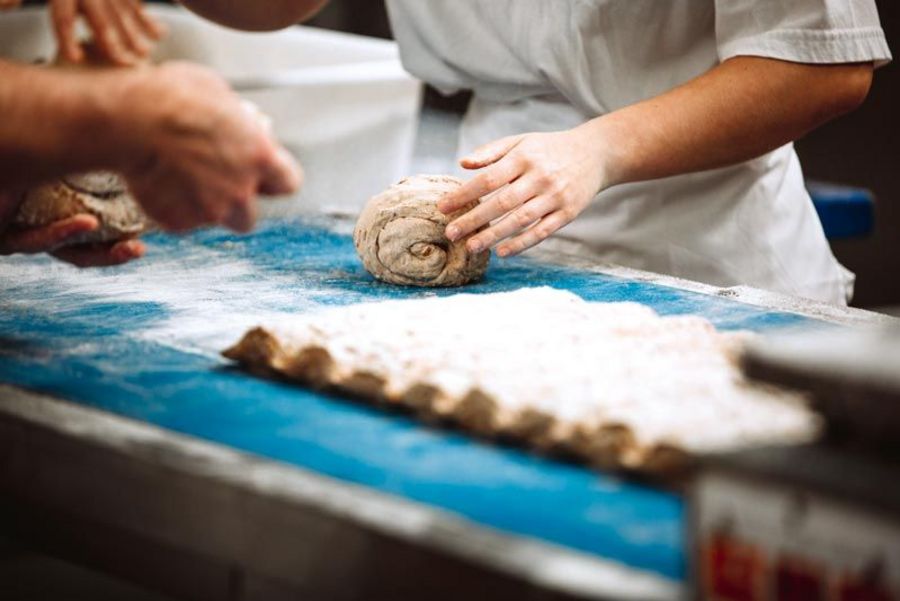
(613, 383)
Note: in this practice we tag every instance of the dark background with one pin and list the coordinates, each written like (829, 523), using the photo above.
(862, 149)
(859, 149)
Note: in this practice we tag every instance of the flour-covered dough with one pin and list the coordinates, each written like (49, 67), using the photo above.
(400, 236)
(101, 194)
(614, 383)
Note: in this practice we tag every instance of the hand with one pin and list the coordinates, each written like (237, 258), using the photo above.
(10, 4)
(193, 153)
(536, 182)
(123, 32)
(51, 237)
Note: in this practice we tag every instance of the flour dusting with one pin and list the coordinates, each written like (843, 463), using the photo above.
(204, 297)
(613, 382)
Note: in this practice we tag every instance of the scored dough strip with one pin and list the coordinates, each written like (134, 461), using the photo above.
(617, 385)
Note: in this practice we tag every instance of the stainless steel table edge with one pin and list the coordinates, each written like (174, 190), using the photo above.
(71, 457)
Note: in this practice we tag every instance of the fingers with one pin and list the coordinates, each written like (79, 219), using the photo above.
(281, 174)
(135, 26)
(500, 203)
(210, 170)
(493, 178)
(129, 29)
(259, 117)
(105, 31)
(549, 179)
(241, 217)
(126, 250)
(47, 238)
(490, 153)
(538, 232)
(101, 255)
(63, 13)
(184, 212)
(122, 30)
(149, 25)
(516, 221)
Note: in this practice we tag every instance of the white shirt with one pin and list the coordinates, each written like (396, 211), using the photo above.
(547, 65)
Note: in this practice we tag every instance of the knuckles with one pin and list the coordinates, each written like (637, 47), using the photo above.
(486, 238)
(490, 182)
(450, 203)
(526, 162)
(544, 231)
(558, 192)
(543, 179)
(516, 246)
(524, 218)
(568, 213)
(557, 196)
(506, 202)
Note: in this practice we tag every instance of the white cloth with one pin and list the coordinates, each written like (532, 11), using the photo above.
(545, 65)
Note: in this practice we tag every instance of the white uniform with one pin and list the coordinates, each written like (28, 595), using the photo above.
(546, 65)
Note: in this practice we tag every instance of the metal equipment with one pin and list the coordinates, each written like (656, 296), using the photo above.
(820, 521)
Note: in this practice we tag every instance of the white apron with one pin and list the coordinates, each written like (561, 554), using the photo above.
(547, 65)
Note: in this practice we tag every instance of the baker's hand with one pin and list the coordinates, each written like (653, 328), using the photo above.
(10, 4)
(193, 154)
(51, 238)
(536, 182)
(123, 32)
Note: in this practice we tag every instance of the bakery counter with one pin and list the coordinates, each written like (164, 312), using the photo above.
(128, 443)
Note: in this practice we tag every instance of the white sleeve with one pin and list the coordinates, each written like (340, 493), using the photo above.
(803, 31)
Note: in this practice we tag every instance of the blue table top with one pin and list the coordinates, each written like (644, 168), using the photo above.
(142, 340)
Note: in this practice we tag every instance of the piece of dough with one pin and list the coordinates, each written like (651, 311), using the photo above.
(613, 383)
(101, 194)
(400, 236)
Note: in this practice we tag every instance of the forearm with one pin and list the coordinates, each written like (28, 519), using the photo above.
(51, 124)
(737, 111)
(249, 16)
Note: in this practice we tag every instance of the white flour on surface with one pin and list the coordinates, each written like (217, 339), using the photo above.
(205, 296)
(613, 382)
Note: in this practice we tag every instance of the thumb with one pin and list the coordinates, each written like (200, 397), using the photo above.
(48, 237)
(490, 153)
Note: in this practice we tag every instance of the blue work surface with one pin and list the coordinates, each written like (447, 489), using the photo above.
(142, 341)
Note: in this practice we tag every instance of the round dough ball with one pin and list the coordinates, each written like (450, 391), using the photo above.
(400, 236)
(101, 194)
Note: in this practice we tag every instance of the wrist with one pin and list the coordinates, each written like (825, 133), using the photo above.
(59, 121)
(85, 118)
(116, 111)
(610, 149)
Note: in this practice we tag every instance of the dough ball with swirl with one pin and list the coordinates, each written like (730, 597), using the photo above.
(400, 236)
